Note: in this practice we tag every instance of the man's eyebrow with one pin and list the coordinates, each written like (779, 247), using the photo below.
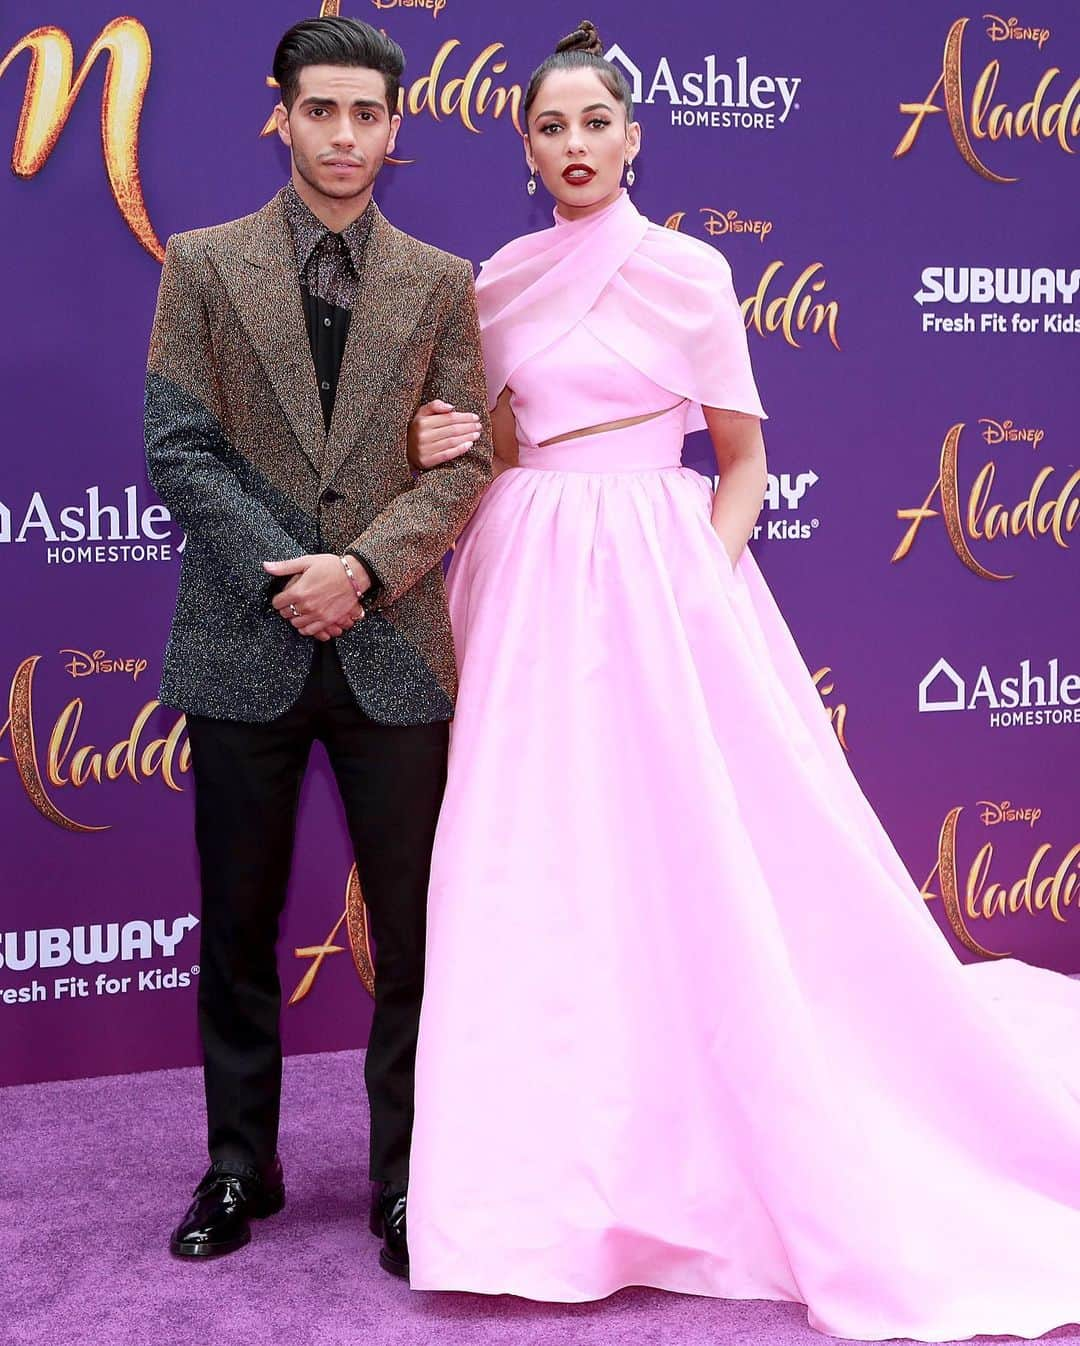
(315, 100)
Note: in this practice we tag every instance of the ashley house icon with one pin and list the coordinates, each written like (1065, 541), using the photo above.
(942, 688)
(617, 56)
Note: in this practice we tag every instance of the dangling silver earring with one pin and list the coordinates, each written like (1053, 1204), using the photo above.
(530, 186)
(631, 176)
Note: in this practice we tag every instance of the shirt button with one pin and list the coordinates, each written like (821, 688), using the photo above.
(326, 386)
(326, 322)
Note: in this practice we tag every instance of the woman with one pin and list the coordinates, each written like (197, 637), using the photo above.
(687, 1022)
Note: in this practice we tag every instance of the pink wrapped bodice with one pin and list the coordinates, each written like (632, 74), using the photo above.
(578, 383)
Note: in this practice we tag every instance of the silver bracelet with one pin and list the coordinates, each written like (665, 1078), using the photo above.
(352, 579)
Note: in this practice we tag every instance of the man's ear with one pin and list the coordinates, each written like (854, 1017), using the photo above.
(395, 127)
(281, 118)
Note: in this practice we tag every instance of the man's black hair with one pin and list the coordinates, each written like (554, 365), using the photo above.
(337, 41)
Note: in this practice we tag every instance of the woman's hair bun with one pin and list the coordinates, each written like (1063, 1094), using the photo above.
(584, 38)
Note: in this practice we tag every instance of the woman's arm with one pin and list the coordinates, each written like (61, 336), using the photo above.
(438, 434)
(740, 458)
(503, 435)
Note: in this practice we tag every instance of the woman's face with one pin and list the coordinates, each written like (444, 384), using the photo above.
(579, 140)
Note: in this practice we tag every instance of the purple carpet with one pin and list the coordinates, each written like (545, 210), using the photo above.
(96, 1172)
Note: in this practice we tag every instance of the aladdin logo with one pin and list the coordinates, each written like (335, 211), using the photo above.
(695, 96)
(108, 533)
(1045, 511)
(993, 813)
(1009, 30)
(1019, 699)
(90, 944)
(84, 665)
(1040, 884)
(63, 761)
(1050, 113)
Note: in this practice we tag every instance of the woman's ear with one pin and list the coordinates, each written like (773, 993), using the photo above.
(633, 139)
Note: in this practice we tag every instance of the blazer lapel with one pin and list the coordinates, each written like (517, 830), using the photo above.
(262, 283)
(389, 291)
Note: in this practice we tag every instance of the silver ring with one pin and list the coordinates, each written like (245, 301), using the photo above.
(294, 610)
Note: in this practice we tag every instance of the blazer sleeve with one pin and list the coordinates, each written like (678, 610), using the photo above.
(190, 461)
(416, 529)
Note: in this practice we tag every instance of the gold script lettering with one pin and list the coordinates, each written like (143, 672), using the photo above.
(986, 521)
(986, 119)
(51, 94)
(67, 764)
(794, 311)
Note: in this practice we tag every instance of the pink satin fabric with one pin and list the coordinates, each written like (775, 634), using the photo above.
(687, 1022)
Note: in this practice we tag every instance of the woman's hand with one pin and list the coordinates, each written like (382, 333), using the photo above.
(438, 433)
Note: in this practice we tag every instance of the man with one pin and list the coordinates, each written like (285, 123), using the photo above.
(289, 351)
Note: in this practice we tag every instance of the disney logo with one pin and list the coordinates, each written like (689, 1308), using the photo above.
(728, 222)
(1005, 432)
(1009, 30)
(84, 665)
(992, 813)
(436, 6)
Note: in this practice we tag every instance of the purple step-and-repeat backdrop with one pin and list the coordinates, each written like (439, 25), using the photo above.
(895, 188)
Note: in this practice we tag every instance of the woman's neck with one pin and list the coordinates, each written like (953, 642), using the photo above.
(569, 212)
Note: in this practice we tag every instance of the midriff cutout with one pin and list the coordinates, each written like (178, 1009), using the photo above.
(608, 425)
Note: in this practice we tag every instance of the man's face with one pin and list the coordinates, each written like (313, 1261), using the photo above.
(339, 129)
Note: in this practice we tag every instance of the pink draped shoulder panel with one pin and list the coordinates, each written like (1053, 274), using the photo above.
(662, 302)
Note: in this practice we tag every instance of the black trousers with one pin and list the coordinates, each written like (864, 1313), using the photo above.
(247, 783)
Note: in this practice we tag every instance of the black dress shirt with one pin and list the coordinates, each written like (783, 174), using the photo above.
(328, 265)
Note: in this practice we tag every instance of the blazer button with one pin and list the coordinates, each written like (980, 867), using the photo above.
(330, 496)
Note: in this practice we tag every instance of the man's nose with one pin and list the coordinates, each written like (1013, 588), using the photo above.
(344, 132)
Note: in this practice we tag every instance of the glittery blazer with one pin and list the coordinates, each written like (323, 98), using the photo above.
(236, 448)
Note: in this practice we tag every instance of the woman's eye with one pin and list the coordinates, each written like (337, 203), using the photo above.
(599, 122)
(551, 126)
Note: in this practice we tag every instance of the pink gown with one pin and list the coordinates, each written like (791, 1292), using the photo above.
(687, 1021)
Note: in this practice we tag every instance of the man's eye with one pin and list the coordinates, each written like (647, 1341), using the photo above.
(318, 111)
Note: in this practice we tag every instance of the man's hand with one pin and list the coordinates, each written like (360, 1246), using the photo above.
(319, 599)
(438, 433)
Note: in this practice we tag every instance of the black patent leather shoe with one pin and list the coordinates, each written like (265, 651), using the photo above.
(388, 1223)
(218, 1220)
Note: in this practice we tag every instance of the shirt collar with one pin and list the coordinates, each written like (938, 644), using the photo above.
(308, 231)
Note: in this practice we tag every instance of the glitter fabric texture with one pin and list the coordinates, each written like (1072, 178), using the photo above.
(238, 449)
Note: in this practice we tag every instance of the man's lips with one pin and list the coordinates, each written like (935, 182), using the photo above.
(578, 174)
